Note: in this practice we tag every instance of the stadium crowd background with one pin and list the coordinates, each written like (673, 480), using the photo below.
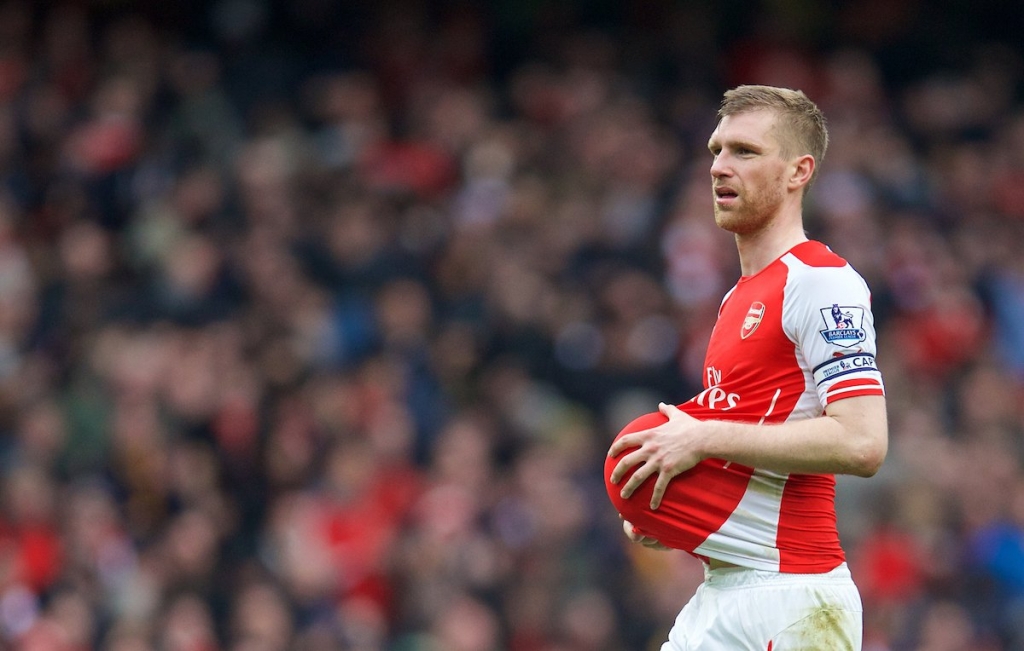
(316, 318)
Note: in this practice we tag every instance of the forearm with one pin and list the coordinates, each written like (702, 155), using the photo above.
(852, 438)
(816, 445)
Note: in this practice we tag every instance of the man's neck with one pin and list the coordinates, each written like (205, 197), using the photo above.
(758, 250)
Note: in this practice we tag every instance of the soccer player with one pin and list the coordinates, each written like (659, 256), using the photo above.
(742, 475)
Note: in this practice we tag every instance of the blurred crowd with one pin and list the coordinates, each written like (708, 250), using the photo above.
(316, 319)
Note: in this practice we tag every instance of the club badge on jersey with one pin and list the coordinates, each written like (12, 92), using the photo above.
(844, 325)
(752, 320)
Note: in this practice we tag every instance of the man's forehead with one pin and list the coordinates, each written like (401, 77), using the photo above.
(749, 126)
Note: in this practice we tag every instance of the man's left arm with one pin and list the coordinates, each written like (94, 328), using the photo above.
(851, 438)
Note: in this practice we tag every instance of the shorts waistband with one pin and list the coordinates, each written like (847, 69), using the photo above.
(730, 576)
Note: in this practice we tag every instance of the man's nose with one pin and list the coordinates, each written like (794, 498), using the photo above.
(719, 166)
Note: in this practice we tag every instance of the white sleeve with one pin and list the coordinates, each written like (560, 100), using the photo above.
(827, 314)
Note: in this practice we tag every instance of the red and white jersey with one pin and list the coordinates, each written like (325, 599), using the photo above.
(789, 340)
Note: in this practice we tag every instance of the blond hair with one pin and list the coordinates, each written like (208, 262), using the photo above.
(800, 127)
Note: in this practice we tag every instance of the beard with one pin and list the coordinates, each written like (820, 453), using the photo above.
(751, 212)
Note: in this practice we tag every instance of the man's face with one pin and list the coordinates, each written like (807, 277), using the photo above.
(748, 172)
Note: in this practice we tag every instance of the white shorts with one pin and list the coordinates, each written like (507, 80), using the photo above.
(739, 609)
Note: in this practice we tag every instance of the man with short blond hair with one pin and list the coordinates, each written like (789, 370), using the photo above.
(743, 472)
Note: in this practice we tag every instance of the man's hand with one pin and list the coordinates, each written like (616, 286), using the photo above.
(667, 450)
(636, 537)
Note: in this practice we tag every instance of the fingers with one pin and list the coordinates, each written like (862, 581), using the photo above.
(631, 440)
(642, 474)
(637, 537)
(651, 543)
(634, 458)
(660, 487)
(630, 531)
(639, 477)
(668, 410)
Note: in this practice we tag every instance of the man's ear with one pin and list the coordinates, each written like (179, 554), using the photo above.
(801, 171)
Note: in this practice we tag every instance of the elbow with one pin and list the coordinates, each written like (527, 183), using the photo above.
(869, 460)
(869, 468)
(864, 435)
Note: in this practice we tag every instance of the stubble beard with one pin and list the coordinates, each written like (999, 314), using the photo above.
(754, 212)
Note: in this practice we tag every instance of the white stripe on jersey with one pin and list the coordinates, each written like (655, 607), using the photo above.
(748, 536)
(860, 387)
(771, 407)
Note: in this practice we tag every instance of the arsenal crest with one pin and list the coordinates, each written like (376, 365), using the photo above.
(752, 320)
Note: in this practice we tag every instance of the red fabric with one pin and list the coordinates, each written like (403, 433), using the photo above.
(359, 533)
(36, 553)
(889, 566)
(40, 552)
(754, 375)
(804, 549)
(941, 338)
(854, 388)
(678, 523)
(103, 146)
(408, 166)
(815, 255)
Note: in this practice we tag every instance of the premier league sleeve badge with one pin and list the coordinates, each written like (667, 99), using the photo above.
(844, 325)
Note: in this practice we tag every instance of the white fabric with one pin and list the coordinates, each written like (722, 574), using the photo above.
(741, 609)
